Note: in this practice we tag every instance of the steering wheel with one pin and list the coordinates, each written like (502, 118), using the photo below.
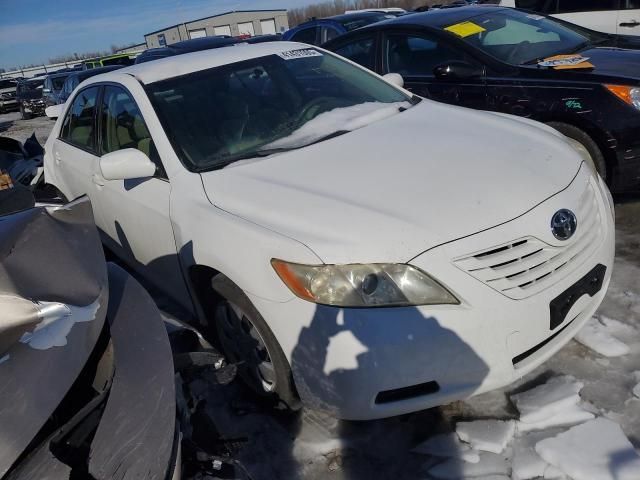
(517, 50)
(313, 108)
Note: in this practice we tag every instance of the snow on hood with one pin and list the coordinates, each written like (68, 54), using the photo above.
(395, 188)
(347, 118)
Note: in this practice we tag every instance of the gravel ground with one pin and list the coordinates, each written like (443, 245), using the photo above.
(312, 445)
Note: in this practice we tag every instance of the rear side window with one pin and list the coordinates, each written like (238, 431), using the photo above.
(78, 127)
(123, 126)
(306, 35)
(360, 51)
(542, 6)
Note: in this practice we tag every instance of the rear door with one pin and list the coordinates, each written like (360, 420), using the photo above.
(310, 35)
(629, 17)
(415, 55)
(75, 151)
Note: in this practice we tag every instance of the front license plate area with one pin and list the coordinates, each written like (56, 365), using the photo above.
(590, 284)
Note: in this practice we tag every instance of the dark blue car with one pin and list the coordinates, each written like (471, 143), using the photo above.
(320, 30)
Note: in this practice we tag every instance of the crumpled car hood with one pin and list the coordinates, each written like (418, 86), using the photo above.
(398, 187)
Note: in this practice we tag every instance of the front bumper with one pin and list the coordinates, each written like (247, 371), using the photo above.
(34, 107)
(369, 363)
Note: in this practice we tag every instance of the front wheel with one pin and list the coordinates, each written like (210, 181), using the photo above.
(596, 158)
(246, 339)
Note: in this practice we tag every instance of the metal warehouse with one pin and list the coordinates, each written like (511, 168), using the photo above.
(236, 23)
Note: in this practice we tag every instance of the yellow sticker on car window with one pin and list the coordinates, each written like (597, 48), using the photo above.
(465, 29)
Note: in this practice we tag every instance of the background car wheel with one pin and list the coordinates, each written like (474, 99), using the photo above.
(597, 158)
(24, 115)
(245, 337)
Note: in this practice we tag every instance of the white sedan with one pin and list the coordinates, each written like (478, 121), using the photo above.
(355, 247)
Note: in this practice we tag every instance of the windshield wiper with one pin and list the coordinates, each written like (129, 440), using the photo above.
(265, 152)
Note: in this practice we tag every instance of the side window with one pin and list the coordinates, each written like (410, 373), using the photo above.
(78, 127)
(306, 35)
(413, 55)
(631, 4)
(329, 34)
(124, 127)
(360, 51)
(568, 6)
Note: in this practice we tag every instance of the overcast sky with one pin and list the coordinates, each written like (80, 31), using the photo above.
(32, 31)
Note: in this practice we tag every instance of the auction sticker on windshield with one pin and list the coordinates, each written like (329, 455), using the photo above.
(293, 54)
(465, 29)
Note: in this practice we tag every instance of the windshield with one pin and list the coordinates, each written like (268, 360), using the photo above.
(57, 82)
(30, 89)
(518, 37)
(260, 106)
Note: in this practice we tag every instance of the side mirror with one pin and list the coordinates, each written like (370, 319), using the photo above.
(394, 79)
(54, 111)
(126, 164)
(457, 70)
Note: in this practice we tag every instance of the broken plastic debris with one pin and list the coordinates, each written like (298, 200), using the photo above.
(487, 435)
(594, 335)
(595, 450)
(447, 445)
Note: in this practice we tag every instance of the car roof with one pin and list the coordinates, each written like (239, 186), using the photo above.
(84, 74)
(350, 17)
(177, 65)
(441, 18)
(59, 74)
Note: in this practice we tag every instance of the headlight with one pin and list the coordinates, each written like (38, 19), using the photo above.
(629, 95)
(373, 285)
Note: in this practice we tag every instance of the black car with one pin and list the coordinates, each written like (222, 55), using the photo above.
(319, 30)
(53, 86)
(198, 44)
(29, 97)
(75, 79)
(512, 61)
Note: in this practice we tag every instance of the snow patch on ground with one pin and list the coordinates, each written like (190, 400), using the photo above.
(596, 450)
(487, 435)
(595, 335)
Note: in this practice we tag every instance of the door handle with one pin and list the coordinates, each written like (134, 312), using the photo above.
(632, 23)
(97, 180)
(56, 156)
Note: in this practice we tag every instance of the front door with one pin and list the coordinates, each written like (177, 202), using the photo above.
(135, 213)
(416, 55)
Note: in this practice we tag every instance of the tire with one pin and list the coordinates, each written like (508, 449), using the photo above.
(24, 115)
(598, 162)
(245, 338)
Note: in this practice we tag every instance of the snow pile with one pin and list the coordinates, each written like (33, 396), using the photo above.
(552, 404)
(487, 435)
(596, 450)
(595, 335)
(447, 445)
(347, 118)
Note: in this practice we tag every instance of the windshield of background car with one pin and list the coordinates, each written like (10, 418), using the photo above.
(57, 82)
(517, 37)
(30, 90)
(220, 115)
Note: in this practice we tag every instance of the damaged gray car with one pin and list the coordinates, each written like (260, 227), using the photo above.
(86, 364)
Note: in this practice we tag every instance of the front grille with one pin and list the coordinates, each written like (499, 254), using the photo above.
(526, 266)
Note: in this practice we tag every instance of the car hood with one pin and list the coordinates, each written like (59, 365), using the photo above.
(400, 186)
